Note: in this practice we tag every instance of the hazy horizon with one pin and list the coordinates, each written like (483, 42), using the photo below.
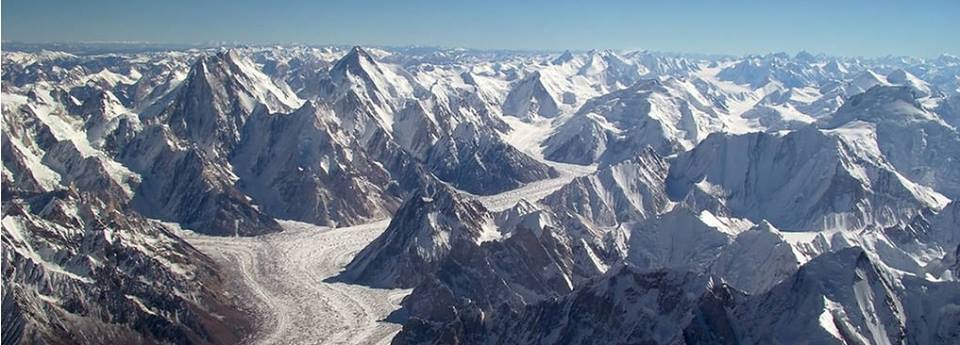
(854, 28)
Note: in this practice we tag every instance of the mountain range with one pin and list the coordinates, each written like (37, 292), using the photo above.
(597, 197)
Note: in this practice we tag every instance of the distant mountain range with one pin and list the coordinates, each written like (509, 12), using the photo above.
(598, 197)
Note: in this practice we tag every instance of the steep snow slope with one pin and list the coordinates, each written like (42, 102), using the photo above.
(627, 191)
(669, 115)
(807, 179)
(915, 140)
(301, 166)
(217, 98)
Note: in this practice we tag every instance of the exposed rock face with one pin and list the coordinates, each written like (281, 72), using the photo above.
(854, 299)
(422, 233)
(78, 270)
(182, 153)
(79, 265)
(536, 261)
(759, 199)
(451, 132)
(530, 97)
(190, 186)
(774, 258)
(217, 98)
(302, 166)
(481, 163)
(627, 306)
(833, 299)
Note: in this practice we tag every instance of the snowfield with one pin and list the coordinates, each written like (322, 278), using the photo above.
(288, 279)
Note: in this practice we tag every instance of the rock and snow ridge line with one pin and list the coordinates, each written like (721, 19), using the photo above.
(466, 95)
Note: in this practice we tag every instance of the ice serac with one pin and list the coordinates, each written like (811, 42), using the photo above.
(420, 235)
(806, 179)
(302, 166)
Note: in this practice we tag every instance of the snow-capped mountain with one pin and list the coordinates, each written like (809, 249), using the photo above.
(914, 139)
(630, 190)
(303, 166)
(805, 179)
(79, 263)
(511, 197)
(218, 96)
(422, 233)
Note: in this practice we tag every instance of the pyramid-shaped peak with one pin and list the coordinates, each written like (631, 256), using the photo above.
(804, 55)
(567, 56)
(835, 66)
(357, 54)
(357, 62)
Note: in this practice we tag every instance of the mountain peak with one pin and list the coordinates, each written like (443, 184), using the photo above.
(904, 78)
(356, 58)
(881, 103)
(420, 235)
(836, 67)
(567, 56)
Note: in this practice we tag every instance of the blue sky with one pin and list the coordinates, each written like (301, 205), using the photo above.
(838, 27)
